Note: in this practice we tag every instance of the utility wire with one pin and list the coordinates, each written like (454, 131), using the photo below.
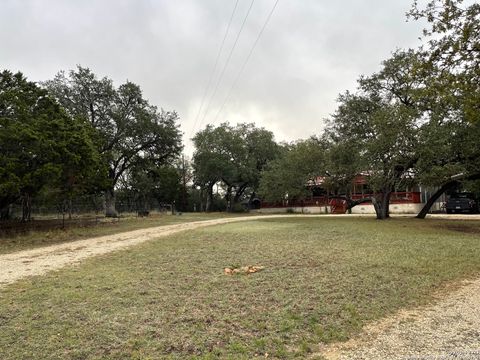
(226, 63)
(234, 84)
(207, 88)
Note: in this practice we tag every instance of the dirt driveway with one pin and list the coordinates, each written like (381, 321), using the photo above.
(21, 264)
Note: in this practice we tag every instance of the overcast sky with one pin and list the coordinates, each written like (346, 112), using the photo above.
(310, 51)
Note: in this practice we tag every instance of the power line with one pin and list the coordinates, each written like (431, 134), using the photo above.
(227, 63)
(246, 60)
(207, 88)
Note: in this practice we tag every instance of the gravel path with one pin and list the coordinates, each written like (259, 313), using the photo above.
(449, 329)
(18, 265)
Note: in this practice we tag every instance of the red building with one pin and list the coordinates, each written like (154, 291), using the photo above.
(409, 200)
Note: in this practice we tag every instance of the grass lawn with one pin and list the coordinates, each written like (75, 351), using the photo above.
(323, 279)
(104, 227)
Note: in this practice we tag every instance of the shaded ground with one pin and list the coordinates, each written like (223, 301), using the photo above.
(469, 229)
(10, 228)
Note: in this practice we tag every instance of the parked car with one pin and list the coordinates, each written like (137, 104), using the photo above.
(464, 202)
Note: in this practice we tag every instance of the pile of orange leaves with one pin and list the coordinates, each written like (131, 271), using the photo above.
(243, 270)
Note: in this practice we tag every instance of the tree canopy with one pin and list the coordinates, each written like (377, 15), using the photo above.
(453, 52)
(287, 176)
(233, 155)
(40, 144)
(128, 128)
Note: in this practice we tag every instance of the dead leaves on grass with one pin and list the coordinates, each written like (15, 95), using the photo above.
(247, 270)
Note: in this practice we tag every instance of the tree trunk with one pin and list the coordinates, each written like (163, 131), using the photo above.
(382, 205)
(250, 201)
(378, 207)
(426, 208)
(349, 196)
(386, 204)
(63, 213)
(110, 210)
(5, 213)
(70, 208)
(208, 205)
(445, 187)
(201, 200)
(239, 193)
(228, 198)
(351, 203)
(184, 193)
(26, 208)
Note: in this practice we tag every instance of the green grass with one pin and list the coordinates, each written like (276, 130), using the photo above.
(34, 239)
(323, 280)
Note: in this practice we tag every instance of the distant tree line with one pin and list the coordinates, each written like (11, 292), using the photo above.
(417, 118)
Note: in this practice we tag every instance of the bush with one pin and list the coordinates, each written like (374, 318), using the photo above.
(238, 208)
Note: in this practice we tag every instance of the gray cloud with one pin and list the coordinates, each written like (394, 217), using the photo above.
(311, 51)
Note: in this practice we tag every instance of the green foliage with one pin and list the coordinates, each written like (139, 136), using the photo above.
(233, 155)
(385, 137)
(129, 129)
(216, 150)
(453, 40)
(148, 181)
(40, 143)
(402, 79)
(449, 145)
(238, 208)
(449, 149)
(287, 176)
(342, 164)
(379, 126)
